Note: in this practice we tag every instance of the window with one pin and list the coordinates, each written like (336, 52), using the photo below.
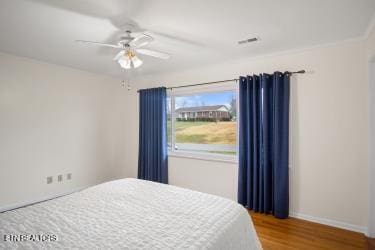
(203, 124)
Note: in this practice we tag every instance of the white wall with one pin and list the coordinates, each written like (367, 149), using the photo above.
(370, 60)
(328, 129)
(56, 120)
(372, 149)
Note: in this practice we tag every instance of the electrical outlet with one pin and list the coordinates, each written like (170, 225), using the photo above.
(49, 179)
(69, 176)
(59, 178)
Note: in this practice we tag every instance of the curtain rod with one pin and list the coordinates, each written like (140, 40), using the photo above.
(229, 80)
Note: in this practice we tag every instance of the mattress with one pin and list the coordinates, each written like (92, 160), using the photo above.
(130, 214)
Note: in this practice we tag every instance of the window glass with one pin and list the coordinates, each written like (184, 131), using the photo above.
(204, 123)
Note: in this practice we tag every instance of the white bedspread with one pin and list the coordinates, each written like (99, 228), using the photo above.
(132, 214)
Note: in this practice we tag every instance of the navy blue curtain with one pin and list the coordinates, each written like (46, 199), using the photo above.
(263, 178)
(152, 154)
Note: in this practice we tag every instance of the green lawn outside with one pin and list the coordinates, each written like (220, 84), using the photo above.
(182, 125)
(204, 132)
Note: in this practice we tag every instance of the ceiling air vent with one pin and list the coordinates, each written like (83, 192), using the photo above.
(250, 40)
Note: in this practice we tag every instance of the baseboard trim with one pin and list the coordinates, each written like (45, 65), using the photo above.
(40, 199)
(329, 222)
(370, 234)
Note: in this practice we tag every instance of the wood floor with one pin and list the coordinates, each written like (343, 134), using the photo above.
(299, 234)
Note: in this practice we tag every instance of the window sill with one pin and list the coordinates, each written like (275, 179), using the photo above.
(204, 157)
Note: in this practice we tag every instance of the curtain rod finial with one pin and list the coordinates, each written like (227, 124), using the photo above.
(297, 72)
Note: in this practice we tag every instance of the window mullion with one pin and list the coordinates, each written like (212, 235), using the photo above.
(173, 123)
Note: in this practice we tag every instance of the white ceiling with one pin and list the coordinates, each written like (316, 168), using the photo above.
(194, 32)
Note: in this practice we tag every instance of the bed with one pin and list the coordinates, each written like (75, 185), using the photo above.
(130, 214)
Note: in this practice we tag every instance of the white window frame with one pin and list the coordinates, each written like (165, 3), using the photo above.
(172, 151)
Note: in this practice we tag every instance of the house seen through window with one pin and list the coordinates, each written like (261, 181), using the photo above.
(203, 123)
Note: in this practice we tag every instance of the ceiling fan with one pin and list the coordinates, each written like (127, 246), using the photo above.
(131, 44)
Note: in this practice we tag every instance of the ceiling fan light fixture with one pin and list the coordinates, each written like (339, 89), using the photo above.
(136, 61)
(125, 62)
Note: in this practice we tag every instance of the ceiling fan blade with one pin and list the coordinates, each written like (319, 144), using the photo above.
(119, 55)
(153, 53)
(100, 44)
(174, 38)
(141, 40)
